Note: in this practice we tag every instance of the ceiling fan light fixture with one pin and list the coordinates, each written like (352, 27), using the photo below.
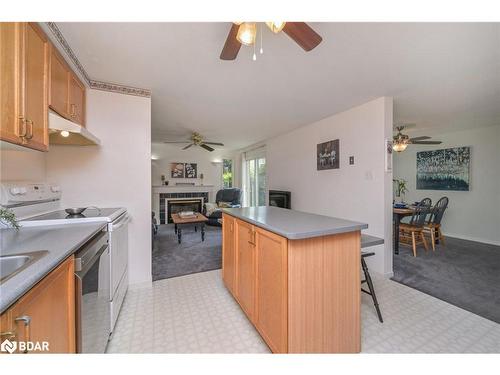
(247, 33)
(276, 26)
(399, 146)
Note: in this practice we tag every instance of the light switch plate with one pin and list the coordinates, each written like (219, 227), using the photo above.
(351, 160)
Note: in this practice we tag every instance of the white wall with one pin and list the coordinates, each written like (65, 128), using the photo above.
(21, 165)
(360, 192)
(473, 214)
(118, 173)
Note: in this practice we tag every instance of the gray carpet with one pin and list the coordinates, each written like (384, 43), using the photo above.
(171, 259)
(463, 273)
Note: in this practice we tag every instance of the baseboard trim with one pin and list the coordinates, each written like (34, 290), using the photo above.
(468, 238)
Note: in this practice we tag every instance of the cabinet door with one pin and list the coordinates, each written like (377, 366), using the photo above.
(228, 252)
(59, 84)
(36, 49)
(76, 100)
(10, 74)
(245, 269)
(47, 312)
(271, 304)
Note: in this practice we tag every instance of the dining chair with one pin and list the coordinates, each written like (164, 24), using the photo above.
(433, 225)
(412, 232)
(425, 202)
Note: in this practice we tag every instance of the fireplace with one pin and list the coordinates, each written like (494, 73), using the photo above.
(280, 198)
(175, 206)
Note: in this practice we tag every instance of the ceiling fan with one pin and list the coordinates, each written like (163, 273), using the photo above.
(196, 139)
(401, 141)
(246, 32)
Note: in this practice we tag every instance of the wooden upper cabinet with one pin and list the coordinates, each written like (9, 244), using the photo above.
(229, 252)
(36, 63)
(245, 267)
(24, 85)
(76, 100)
(47, 311)
(10, 55)
(59, 84)
(271, 305)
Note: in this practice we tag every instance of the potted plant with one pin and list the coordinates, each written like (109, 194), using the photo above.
(401, 188)
(8, 218)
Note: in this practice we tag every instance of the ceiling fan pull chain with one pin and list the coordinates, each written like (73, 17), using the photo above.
(261, 38)
(254, 57)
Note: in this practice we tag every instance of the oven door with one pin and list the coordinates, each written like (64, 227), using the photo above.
(92, 303)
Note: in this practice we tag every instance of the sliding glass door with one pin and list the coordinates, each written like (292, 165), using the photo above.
(255, 178)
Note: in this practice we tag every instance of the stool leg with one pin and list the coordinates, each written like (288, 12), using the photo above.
(371, 288)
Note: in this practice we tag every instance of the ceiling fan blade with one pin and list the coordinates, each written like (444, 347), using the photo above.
(232, 45)
(208, 148)
(303, 35)
(189, 145)
(422, 138)
(426, 142)
(214, 143)
(176, 141)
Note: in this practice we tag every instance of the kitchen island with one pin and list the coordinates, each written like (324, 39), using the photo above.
(296, 276)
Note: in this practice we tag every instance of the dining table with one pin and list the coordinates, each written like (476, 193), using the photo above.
(398, 214)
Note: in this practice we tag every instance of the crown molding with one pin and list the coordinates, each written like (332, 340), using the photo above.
(93, 84)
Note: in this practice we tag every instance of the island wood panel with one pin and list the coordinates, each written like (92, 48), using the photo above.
(229, 252)
(51, 306)
(271, 302)
(245, 267)
(324, 294)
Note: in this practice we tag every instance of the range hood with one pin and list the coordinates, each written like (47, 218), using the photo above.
(77, 135)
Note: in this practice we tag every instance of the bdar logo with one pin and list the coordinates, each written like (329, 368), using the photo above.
(8, 346)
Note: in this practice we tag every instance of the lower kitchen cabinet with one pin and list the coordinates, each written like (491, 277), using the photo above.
(45, 314)
(271, 305)
(245, 267)
(229, 253)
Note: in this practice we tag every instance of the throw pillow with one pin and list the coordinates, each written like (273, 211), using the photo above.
(211, 208)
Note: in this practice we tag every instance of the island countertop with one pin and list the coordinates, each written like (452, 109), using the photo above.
(294, 225)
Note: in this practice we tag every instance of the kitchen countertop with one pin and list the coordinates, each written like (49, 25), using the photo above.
(59, 240)
(292, 224)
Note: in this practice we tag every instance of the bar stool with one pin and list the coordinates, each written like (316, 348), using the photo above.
(368, 281)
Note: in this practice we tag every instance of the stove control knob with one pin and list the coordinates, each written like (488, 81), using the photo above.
(15, 191)
(23, 190)
(55, 189)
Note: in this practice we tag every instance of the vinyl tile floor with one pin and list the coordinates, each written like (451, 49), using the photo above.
(196, 314)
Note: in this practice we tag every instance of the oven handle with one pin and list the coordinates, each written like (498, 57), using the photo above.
(120, 223)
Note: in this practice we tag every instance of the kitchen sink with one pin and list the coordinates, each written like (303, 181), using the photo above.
(10, 265)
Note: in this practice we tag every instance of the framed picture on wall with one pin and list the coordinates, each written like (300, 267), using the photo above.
(445, 169)
(191, 170)
(388, 155)
(177, 170)
(328, 155)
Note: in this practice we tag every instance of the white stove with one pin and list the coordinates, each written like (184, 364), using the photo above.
(37, 204)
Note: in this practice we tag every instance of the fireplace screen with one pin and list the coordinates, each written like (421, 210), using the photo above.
(176, 206)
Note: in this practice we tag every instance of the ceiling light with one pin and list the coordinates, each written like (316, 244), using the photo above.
(64, 133)
(399, 146)
(246, 33)
(276, 26)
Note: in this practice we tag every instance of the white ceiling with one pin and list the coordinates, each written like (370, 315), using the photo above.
(442, 75)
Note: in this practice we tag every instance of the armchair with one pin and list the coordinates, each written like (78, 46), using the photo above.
(232, 198)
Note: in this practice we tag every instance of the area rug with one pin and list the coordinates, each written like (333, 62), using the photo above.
(171, 259)
(463, 273)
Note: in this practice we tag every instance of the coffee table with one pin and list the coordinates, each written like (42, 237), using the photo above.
(180, 222)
